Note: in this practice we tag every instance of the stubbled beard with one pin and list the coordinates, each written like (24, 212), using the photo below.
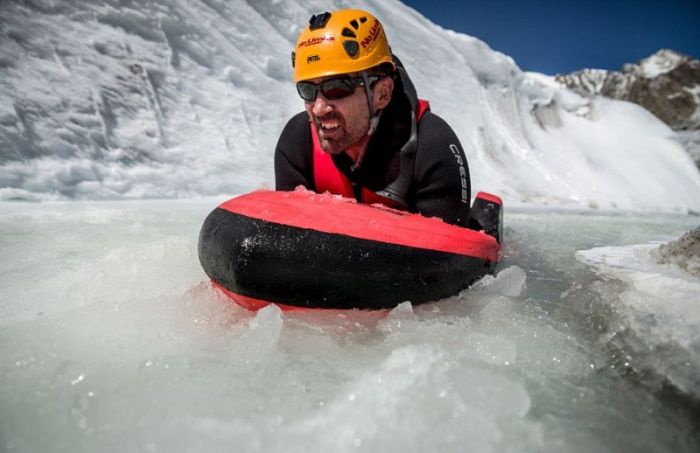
(348, 137)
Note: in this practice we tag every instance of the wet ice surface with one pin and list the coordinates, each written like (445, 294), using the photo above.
(660, 307)
(111, 340)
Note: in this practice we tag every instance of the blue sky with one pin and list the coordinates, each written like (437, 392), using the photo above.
(553, 36)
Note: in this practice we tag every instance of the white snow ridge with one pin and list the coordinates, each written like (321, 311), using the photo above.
(114, 99)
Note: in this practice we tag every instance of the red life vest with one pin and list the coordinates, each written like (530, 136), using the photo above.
(327, 177)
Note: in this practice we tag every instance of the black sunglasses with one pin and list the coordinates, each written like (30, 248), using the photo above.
(332, 89)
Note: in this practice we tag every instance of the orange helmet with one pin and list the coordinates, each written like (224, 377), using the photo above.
(341, 42)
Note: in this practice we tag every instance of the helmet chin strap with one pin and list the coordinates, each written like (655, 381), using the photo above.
(373, 116)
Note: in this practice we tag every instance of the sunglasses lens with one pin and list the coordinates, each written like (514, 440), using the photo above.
(331, 89)
(337, 88)
(307, 91)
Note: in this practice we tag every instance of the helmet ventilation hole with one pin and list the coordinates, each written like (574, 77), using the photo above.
(351, 48)
(349, 33)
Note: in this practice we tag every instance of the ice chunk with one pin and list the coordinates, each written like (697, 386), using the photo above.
(262, 335)
(510, 282)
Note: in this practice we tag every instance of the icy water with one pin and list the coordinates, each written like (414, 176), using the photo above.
(111, 340)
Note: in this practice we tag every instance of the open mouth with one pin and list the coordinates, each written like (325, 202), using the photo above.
(329, 125)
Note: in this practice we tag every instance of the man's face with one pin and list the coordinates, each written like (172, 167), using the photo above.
(340, 123)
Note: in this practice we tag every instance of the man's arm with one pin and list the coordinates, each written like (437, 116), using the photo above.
(443, 186)
(293, 161)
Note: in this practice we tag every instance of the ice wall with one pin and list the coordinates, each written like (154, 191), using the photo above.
(127, 99)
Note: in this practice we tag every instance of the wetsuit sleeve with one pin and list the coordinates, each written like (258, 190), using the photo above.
(443, 186)
(293, 163)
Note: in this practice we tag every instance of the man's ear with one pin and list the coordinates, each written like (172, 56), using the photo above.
(382, 92)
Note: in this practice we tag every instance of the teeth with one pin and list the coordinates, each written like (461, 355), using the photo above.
(330, 125)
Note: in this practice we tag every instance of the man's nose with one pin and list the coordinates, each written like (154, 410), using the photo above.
(321, 106)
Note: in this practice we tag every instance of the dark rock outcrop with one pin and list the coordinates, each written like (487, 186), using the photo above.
(684, 252)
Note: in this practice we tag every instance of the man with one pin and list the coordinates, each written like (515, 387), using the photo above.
(364, 133)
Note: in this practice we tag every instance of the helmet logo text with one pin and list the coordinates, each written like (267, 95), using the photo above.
(315, 41)
(372, 36)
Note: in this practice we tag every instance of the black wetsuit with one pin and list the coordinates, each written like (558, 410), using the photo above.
(440, 184)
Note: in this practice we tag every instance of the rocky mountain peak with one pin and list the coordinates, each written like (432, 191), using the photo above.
(667, 84)
(662, 62)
